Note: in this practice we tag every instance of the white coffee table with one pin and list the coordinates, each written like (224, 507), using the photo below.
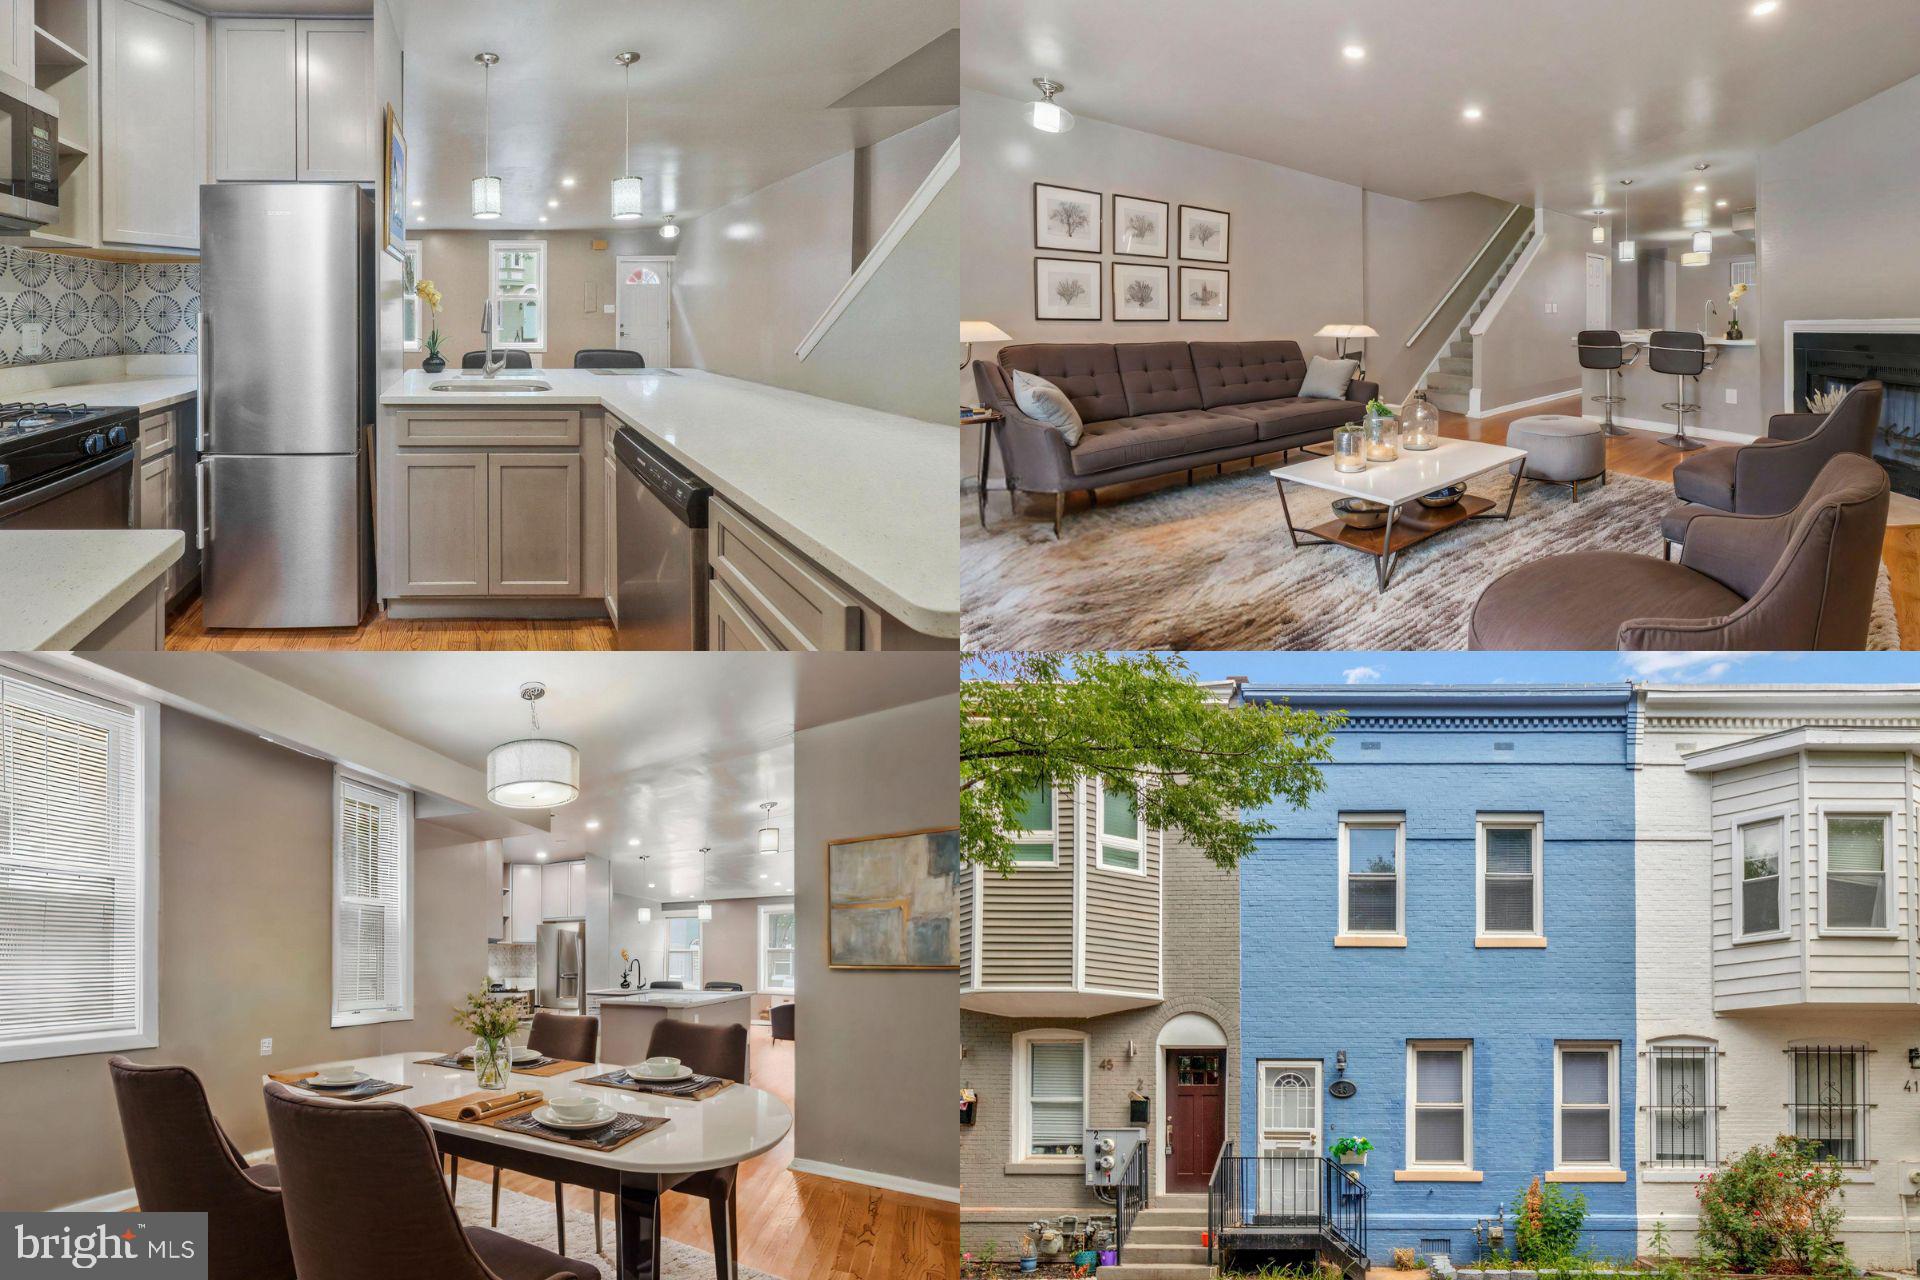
(1396, 485)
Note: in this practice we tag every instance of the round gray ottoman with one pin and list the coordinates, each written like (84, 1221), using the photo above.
(1561, 449)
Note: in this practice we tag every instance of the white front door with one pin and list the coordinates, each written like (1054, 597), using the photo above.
(1597, 291)
(644, 308)
(1289, 1127)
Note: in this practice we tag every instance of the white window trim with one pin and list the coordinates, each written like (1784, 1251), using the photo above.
(1049, 837)
(1399, 822)
(697, 951)
(1612, 1050)
(494, 247)
(404, 809)
(1023, 1094)
(1862, 1084)
(416, 254)
(1537, 823)
(1891, 859)
(146, 806)
(1783, 815)
(767, 912)
(1137, 845)
(1650, 1171)
(1465, 1049)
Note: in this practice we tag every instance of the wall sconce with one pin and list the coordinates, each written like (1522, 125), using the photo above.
(1913, 1059)
(1340, 1062)
(969, 1106)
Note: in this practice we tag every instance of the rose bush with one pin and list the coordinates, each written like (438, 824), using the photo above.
(1774, 1209)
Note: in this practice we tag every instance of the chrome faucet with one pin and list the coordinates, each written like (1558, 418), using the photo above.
(490, 367)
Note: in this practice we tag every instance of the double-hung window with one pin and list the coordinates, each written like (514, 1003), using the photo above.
(413, 312)
(1439, 1104)
(1858, 885)
(1509, 848)
(1830, 1106)
(1052, 1089)
(1681, 1109)
(77, 953)
(372, 901)
(1372, 874)
(517, 290)
(776, 949)
(683, 949)
(1586, 1100)
(1033, 842)
(1759, 851)
(1121, 846)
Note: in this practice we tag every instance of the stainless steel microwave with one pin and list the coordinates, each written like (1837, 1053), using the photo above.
(29, 147)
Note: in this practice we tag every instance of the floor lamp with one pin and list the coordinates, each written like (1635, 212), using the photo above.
(972, 331)
(1344, 332)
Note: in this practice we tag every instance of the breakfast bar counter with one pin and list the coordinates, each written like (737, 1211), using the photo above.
(627, 1018)
(1728, 393)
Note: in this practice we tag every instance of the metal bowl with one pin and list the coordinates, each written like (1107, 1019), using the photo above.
(1443, 497)
(1358, 513)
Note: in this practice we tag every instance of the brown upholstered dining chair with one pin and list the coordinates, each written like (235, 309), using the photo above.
(780, 1018)
(516, 359)
(1773, 473)
(183, 1162)
(1804, 579)
(363, 1197)
(710, 1051)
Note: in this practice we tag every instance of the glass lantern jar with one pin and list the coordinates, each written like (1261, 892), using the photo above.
(1383, 437)
(1421, 429)
(1350, 448)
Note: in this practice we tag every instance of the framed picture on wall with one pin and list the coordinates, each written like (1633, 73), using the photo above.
(1066, 218)
(1203, 293)
(1066, 289)
(393, 193)
(1139, 292)
(1203, 234)
(1140, 227)
(893, 901)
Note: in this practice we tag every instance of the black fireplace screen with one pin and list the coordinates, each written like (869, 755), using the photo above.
(1837, 361)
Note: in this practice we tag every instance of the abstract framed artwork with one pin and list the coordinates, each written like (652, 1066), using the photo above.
(1203, 234)
(1066, 289)
(1140, 227)
(1066, 218)
(1203, 293)
(893, 901)
(1139, 292)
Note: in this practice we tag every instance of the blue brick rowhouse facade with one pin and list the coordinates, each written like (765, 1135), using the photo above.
(1448, 927)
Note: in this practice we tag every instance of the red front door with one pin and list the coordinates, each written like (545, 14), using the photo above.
(1196, 1116)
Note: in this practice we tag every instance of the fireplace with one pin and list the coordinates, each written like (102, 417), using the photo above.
(1837, 360)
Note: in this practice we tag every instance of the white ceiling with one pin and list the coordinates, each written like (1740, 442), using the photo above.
(729, 96)
(677, 751)
(1574, 95)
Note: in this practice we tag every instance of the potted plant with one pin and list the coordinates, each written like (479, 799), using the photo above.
(1028, 1259)
(491, 1023)
(1351, 1151)
(430, 298)
(1738, 292)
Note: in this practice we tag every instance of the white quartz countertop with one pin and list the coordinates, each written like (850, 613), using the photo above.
(1641, 335)
(861, 492)
(143, 393)
(59, 584)
(668, 999)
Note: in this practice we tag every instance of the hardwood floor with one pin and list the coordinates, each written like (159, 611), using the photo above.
(794, 1225)
(188, 631)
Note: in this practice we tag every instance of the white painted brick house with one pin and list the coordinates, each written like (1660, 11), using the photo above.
(1778, 989)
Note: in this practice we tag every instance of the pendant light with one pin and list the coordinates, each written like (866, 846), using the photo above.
(1046, 115)
(769, 834)
(533, 772)
(668, 230)
(486, 187)
(627, 191)
(1627, 249)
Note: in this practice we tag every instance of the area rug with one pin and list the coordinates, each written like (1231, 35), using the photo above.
(1210, 567)
(530, 1218)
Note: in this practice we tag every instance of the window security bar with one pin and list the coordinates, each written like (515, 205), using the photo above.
(1830, 1107)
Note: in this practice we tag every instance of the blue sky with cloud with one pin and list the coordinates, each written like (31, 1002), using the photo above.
(1524, 668)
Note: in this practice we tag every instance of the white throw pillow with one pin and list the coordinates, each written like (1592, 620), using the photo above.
(1328, 379)
(1046, 403)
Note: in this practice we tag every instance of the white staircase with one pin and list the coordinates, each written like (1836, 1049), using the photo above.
(1449, 381)
(1167, 1242)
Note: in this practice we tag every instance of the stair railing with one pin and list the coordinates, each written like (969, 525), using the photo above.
(1285, 1194)
(1461, 279)
(1130, 1198)
(1217, 1192)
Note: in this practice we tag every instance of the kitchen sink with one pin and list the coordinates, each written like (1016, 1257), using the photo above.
(501, 385)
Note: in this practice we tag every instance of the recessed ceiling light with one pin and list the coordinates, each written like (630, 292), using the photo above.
(1719, 204)
(553, 204)
(1764, 8)
(543, 217)
(593, 824)
(1701, 186)
(421, 218)
(1471, 113)
(416, 204)
(566, 182)
(763, 875)
(542, 855)
(633, 843)
(649, 884)
(1354, 53)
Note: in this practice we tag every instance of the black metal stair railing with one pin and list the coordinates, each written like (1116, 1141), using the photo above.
(1130, 1197)
(1275, 1201)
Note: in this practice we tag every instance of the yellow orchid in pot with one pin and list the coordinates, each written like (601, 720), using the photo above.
(1738, 292)
(430, 298)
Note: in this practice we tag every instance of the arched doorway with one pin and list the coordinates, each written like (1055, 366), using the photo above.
(1191, 1107)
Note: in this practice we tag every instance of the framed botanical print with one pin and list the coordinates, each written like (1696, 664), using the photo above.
(1140, 227)
(1066, 289)
(1203, 293)
(1139, 292)
(1203, 234)
(1066, 218)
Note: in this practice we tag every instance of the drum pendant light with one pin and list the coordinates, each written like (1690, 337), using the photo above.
(769, 834)
(533, 772)
(1627, 249)
(486, 187)
(628, 190)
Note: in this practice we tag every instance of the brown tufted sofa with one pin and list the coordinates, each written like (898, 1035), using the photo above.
(1155, 408)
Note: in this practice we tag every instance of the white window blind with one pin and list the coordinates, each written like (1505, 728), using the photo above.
(1440, 1106)
(1056, 1098)
(776, 945)
(683, 949)
(75, 952)
(1761, 844)
(1507, 905)
(1586, 1106)
(1856, 888)
(372, 910)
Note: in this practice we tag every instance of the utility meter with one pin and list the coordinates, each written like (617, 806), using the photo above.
(1107, 1153)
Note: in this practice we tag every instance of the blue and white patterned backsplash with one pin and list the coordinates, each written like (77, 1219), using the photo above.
(91, 308)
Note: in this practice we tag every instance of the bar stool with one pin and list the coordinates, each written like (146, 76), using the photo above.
(1684, 355)
(1602, 349)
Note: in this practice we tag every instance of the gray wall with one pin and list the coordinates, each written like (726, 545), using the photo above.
(1836, 213)
(644, 942)
(730, 943)
(1698, 284)
(1415, 250)
(876, 1053)
(1527, 350)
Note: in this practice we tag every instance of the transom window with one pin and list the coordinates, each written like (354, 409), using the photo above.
(1372, 858)
(1510, 889)
(1289, 1101)
(1857, 883)
(1759, 849)
(1053, 1094)
(1440, 1104)
(1586, 1107)
(517, 290)
(1121, 846)
(1830, 1105)
(1682, 1107)
(1033, 842)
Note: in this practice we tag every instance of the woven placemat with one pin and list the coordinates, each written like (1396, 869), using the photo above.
(698, 1088)
(538, 1067)
(621, 1130)
(358, 1093)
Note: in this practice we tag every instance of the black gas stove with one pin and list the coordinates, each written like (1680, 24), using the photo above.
(40, 444)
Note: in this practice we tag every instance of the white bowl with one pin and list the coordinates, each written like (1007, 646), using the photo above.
(573, 1106)
(336, 1075)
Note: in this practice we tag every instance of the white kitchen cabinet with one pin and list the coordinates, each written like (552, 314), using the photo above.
(254, 93)
(524, 905)
(334, 107)
(577, 888)
(153, 123)
(563, 890)
(16, 39)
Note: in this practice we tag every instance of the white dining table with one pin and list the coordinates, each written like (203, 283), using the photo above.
(734, 1125)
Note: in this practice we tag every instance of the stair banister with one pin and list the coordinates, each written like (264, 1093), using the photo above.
(1453, 288)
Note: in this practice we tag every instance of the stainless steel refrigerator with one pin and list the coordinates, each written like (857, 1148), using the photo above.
(561, 959)
(286, 403)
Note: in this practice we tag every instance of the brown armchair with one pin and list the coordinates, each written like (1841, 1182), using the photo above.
(183, 1162)
(719, 1050)
(1772, 474)
(1803, 579)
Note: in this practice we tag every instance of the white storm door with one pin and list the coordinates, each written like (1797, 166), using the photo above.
(1289, 1180)
(644, 309)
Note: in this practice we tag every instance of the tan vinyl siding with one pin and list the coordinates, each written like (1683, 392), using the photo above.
(1751, 974)
(967, 878)
(1026, 919)
(1123, 923)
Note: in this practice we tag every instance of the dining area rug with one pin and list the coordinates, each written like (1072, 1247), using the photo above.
(530, 1218)
(1210, 567)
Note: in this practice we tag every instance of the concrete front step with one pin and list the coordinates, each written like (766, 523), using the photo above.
(1166, 1254)
(1166, 1233)
(1185, 1219)
(1156, 1271)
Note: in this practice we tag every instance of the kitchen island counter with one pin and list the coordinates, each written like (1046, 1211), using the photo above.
(627, 1019)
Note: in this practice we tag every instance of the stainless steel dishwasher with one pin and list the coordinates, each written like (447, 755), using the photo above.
(660, 548)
